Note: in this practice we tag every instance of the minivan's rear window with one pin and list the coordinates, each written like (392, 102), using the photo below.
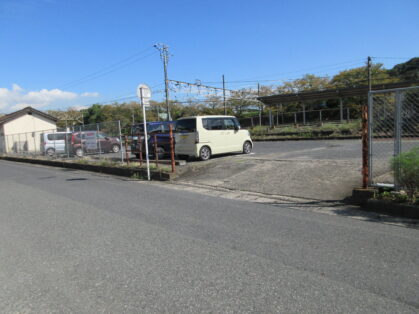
(186, 125)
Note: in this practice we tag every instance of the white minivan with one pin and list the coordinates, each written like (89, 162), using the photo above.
(204, 136)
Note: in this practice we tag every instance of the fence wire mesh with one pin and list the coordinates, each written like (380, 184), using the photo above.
(94, 141)
(277, 118)
(393, 129)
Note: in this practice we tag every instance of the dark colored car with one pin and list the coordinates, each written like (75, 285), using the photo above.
(93, 142)
(159, 129)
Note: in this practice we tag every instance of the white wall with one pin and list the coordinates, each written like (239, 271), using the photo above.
(23, 134)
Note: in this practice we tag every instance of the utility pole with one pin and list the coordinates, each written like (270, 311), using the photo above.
(369, 73)
(224, 96)
(164, 55)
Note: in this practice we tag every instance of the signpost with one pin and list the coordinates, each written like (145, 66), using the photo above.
(144, 94)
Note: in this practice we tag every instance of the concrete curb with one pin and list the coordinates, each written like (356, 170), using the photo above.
(124, 172)
(392, 208)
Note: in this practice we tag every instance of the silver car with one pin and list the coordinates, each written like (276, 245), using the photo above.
(54, 143)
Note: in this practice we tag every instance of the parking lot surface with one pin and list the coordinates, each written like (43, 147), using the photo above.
(323, 170)
(79, 242)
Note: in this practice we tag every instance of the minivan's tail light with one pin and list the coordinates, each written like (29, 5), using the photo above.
(196, 137)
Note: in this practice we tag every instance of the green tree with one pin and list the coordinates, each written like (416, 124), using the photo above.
(407, 71)
(359, 77)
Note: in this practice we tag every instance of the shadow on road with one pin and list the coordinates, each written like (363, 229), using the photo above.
(342, 208)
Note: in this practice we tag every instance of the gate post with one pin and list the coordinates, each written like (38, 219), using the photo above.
(365, 154)
(397, 135)
(370, 135)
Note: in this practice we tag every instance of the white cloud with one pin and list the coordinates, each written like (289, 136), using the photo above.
(17, 98)
(88, 94)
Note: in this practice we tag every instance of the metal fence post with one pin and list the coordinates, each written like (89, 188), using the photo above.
(98, 140)
(304, 114)
(270, 118)
(140, 148)
(81, 142)
(370, 135)
(156, 155)
(120, 140)
(126, 149)
(54, 136)
(67, 146)
(320, 114)
(398, 135)
(347, 115)
(18, 144)
(172, 148)
(365, 146)
(341, 109)
(34, 142)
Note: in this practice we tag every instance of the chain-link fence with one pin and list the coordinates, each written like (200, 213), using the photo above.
(277, 118)
(393, 129)
(93, 141)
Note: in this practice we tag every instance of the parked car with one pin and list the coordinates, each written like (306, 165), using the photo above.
(54, 142)
(93, 142)
(158, 128)
(204, 136)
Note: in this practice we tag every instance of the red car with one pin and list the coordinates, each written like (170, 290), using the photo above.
(93, 142)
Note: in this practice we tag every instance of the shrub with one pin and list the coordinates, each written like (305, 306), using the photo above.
(406, 168)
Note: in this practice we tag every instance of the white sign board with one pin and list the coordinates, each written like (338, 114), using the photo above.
(91, 140)
(144, 94)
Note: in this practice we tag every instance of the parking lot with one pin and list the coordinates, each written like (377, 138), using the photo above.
(326, 170)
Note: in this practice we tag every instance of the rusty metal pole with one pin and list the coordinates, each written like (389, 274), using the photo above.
(156, 156)
(172, 149)
(140, 149)
(364, 146)
(126, 149)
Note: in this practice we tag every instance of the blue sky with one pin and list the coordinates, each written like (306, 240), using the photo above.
(49, 47)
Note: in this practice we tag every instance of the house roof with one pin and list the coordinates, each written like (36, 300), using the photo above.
(330, 93)
(24, 111)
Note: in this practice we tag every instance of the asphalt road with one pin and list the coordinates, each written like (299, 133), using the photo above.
(77, 242)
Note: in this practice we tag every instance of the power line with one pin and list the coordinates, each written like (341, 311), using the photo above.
(255, 79)
(114, 66)
(101, 74)
(396, 58)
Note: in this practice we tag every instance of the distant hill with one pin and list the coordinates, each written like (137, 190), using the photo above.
(408, 71)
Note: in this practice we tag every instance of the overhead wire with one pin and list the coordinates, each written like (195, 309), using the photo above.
(115, 66)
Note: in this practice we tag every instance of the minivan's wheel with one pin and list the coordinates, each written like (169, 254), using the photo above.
(115, 148)
(247, 147)
(205, 153)
(50, 152)
(79, 152)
